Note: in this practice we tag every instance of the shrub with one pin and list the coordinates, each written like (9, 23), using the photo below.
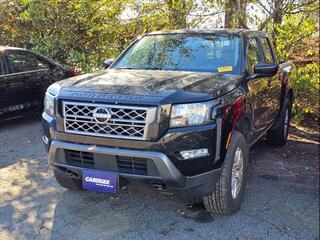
(307, 87)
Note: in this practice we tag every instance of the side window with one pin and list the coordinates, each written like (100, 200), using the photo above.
(254, 55)
(42, 64)
(267, 50)
(24, 62)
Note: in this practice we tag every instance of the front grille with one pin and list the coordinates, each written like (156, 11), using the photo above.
(80, 159)
(132, 165)
(107, 120)
(121, 164)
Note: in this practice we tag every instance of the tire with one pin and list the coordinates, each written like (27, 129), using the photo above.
(223, 200)
(278, 134)
(66, 181)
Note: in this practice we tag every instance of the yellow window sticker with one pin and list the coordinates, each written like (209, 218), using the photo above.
(225, 69)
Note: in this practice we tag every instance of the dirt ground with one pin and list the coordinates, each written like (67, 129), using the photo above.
(281, 199)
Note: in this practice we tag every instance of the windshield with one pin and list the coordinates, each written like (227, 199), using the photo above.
(180, 52)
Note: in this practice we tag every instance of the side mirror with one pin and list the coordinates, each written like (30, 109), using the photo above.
(265, 69)
(108, 63)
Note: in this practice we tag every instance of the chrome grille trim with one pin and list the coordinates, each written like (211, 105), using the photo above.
(126, 122)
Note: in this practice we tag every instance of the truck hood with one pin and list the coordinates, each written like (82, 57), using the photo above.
(147, 86)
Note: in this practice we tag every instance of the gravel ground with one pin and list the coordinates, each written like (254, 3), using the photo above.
(281, 199)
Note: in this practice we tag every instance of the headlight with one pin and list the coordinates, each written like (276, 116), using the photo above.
(49, 104)
(190, 114)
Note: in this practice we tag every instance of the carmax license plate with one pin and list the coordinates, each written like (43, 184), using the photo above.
(99, 181)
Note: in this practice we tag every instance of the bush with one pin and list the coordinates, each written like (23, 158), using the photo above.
(307, 87)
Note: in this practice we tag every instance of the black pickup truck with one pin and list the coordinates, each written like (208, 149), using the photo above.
(177, 110)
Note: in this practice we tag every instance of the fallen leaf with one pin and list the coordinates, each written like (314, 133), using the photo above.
(243, 238)
(115, 198)
(182, 211)
(295, 174)
(286, 227)
(296, 213)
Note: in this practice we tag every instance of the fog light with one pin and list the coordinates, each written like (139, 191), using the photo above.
(195, 153)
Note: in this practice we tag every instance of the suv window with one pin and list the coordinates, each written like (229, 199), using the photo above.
(267, 50)
(254, 55)
(25, 61)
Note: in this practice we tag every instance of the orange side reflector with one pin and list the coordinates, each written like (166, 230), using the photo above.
(228, 140)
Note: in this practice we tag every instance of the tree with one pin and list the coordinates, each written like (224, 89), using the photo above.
(235, 14)
(230, 12)
(278, 9)
(177, 13)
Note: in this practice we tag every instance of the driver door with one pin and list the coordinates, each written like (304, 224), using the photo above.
(274, 83)
(259, 90)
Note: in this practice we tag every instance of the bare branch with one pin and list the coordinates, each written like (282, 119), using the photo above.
(263, 7)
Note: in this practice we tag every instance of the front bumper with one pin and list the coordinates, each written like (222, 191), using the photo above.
(171, 143)
(195, 186)
(196, 177)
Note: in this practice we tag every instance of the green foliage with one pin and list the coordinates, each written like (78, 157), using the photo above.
(298, 40)
(49, 46)
(307, 88)
(292, 35)
(85, 32)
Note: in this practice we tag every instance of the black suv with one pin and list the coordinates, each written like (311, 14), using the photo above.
(24, 79)
(177, 110)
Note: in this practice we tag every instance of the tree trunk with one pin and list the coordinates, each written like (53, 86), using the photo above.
(277, 18)
(278, 8)
(235, 14)
(242, 19)
(229, 17)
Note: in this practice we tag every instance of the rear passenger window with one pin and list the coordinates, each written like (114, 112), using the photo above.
(24, 62)
(267, 50)
(254, 55)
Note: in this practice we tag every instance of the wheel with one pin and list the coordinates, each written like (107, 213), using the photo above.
(66, 181)
(278, 134)
(229, 190)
